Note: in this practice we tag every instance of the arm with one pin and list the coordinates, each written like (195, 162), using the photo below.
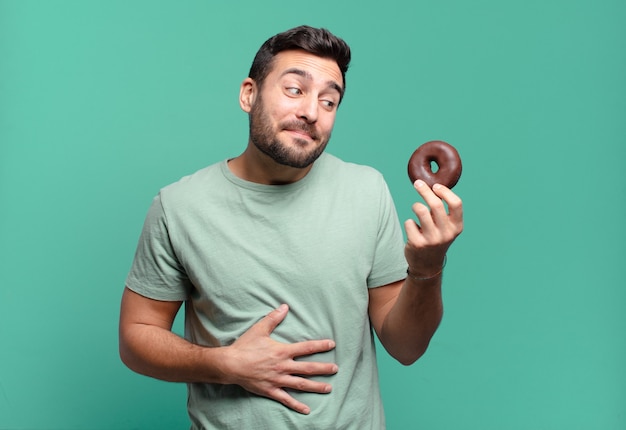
(406, 314)
(148, 346)
(254, 361)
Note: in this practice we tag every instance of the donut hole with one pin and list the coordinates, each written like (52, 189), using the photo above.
(434, 167)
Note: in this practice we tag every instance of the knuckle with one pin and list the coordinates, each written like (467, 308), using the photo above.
(280, 366)
(272, 392)
(410, 244)
(419, 208)
(455, 204)
(305, 369)
(301, 385)
(435, 238)
(437, 205)
(455, 229)
(416, 242)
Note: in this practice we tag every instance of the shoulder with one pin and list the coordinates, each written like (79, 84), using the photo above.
(191, 188)
(334, 166)
(194, 181)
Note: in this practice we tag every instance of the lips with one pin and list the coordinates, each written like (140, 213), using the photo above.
(301, 128)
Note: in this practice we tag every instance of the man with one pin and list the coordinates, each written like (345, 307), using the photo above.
(286, 258)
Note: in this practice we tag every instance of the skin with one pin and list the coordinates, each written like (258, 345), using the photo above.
(294, 112)
(298, 104)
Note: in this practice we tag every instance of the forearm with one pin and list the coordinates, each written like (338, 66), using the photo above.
(413, 319)
(410, 320)
(157, 352)
(254, 361)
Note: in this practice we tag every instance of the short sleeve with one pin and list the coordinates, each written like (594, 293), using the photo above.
(389, 264)
(156, 271)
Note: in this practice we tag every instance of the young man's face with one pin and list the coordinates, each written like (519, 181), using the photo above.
(292, 116)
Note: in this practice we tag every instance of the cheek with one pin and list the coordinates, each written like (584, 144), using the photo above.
(327, 124)
(271, 119)
(279, 113)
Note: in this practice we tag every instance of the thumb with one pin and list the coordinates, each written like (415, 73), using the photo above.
(271, 320)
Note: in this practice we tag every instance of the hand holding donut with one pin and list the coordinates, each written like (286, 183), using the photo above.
(429, 239)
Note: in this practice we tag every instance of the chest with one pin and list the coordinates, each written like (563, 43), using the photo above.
(245, 259)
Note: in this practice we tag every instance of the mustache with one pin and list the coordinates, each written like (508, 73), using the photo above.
(301, 126)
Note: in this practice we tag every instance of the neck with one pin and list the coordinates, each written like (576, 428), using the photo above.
(255, 166)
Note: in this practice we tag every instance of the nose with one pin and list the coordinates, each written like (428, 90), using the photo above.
(308, 109)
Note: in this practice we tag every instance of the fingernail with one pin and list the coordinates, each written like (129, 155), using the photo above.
(282, 307)
(419, 183)
(328, 389)
(331, 344)
(306, 411)
(436, 186)
(335, 369)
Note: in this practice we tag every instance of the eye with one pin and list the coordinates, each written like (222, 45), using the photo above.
(294, 91)
(328, 104)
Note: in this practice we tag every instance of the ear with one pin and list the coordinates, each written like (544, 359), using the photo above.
(247, 94)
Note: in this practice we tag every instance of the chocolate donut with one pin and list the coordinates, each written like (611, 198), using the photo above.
(446, 157)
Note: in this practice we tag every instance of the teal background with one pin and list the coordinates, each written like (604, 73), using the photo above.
(102, 103)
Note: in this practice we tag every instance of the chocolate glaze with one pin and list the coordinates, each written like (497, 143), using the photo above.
(446, 157)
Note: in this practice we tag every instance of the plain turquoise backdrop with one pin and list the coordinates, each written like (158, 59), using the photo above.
(104, 102)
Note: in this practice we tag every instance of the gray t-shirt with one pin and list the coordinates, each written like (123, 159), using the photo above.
(235, 250)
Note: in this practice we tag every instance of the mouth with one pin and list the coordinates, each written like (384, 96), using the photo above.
(300, 131)
(299, 134)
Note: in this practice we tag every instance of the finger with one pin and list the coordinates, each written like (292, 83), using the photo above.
(283, 397)
(413, 233)
(271, 320)
(437, 209)
(312, 368)
(454, 202)
(309, 347)
(424, 216)
(307, 385)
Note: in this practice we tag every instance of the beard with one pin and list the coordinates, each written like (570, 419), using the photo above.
(265, 138)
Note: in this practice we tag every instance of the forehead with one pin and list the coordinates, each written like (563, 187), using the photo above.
(321, 69)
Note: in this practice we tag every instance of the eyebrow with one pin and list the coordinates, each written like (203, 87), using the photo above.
(306, 75)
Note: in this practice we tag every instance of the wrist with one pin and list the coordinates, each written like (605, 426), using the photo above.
(426, 275)
(210, 365)
(222, 362)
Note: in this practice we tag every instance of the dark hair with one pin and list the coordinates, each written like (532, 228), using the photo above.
(316, 41)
